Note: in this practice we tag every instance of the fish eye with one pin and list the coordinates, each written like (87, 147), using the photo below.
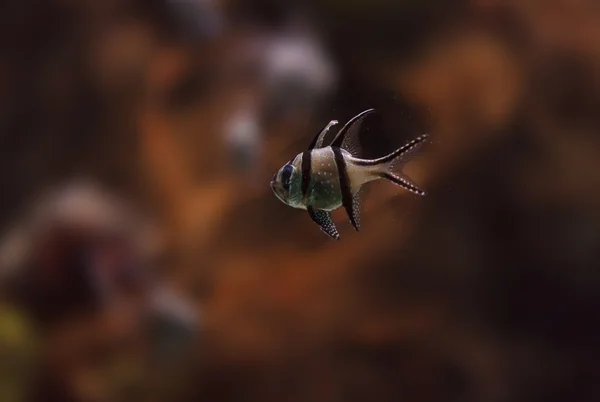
(286, 175)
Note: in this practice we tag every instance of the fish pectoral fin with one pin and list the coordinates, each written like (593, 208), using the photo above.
(355, 209)
(323, 219)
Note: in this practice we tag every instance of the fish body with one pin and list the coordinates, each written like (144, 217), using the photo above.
(319, 188)
(330, 175)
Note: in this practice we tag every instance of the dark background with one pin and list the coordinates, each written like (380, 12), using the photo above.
(122, 181)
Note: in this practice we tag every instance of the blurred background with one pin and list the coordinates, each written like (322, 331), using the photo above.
(143, 256)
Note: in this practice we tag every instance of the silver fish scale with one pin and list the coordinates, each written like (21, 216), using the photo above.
(324, 189)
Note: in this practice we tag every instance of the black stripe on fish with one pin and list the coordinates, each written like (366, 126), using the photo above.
(347, 199)
(404, 149)
(306, 173)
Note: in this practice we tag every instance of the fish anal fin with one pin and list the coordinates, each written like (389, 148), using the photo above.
(323, 219)
(356, 209)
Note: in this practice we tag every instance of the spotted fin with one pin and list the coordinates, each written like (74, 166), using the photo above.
(392, 165)
(404, 181)
(323, 219)
(319, 140)
(403, 155)
(347, 138)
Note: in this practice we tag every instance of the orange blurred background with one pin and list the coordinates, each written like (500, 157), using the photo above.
(143, 256)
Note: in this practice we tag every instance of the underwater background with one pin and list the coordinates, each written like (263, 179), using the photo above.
(143, 256)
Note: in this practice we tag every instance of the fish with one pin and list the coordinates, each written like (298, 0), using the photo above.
(331, 174)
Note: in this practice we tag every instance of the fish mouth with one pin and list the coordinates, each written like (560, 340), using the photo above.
(274, 188)
(277, 191)
(273, 183)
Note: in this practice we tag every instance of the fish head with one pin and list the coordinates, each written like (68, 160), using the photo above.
(284, 184)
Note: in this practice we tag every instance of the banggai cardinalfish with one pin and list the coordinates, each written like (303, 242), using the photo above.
(330, 174)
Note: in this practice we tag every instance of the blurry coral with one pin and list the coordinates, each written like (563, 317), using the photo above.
(201, 19)
(73, 250)
(298, 74)
(244, 140)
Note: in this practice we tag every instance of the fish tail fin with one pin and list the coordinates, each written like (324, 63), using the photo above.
(403, 181)
(390, 166)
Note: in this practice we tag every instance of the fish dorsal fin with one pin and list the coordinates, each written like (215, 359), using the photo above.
(347, 137)
(319, 140)
(323, 219)
(356, 209)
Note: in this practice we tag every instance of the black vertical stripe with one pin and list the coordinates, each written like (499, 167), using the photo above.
(306, 173)
(344, 183)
